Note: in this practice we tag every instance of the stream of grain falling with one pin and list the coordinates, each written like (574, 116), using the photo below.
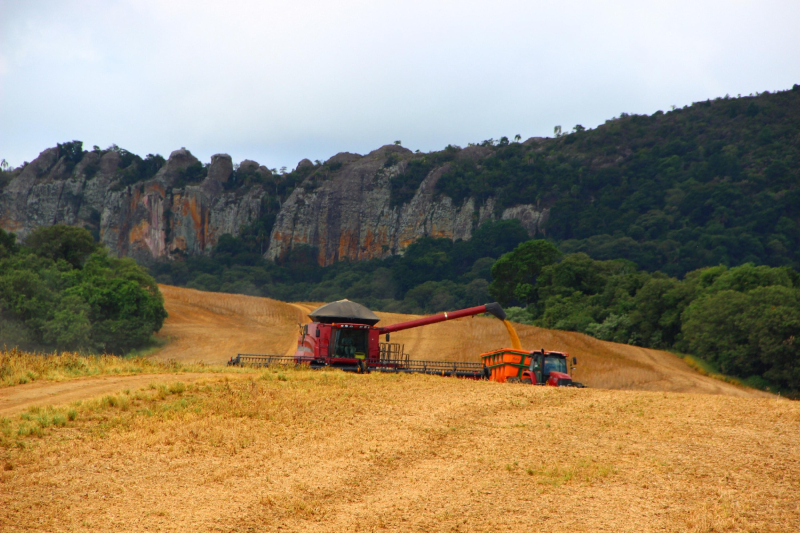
(513, 334)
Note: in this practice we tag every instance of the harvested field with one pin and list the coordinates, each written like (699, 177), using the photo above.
(19, 398)
(212, 327)
(299, 450)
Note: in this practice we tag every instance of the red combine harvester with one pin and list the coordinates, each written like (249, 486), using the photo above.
(343, 335)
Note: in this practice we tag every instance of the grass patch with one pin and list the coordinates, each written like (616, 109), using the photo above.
(585, 471)
(706, 368)
(99, 415)
(161, 401)
(18, 367)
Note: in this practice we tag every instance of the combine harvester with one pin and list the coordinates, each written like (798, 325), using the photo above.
(343, 335)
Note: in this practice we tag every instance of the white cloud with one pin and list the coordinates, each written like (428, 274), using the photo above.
(280, 80)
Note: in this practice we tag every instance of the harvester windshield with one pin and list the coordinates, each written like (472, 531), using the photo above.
(349, 342)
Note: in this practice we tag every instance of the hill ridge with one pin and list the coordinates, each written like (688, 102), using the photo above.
(715, 182)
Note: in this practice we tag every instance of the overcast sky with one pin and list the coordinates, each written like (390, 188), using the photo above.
(277, 81)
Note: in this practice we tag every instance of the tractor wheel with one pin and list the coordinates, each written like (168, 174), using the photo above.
(527, 381)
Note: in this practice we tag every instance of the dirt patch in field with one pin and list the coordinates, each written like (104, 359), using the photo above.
(18, 398)
(327, 451)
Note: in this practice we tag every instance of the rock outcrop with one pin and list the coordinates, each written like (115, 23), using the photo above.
(350, 216)
(343, 208)
(146, 220)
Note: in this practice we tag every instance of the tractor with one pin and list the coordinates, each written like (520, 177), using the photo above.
(540, 367)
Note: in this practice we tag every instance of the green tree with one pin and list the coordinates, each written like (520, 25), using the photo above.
(518, 269)
(53, 297)
(70, 327)
(8, 244)
(715, 328)
(69, 243)
(773, 323)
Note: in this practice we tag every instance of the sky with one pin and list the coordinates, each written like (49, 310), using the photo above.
(279, 81)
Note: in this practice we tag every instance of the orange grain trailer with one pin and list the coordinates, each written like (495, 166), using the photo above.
(535, 368)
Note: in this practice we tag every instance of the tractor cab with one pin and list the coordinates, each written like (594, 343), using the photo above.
(549, 368)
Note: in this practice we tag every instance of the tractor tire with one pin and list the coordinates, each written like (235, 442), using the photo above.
(527, 381)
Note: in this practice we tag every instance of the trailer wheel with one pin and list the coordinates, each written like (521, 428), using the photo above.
(513, 379)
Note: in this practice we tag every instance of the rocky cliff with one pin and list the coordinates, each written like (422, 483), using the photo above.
(146, 220)
(342, 208)
(349, 214)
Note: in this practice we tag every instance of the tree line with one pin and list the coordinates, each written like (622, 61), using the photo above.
(62, 291)
(745, 320)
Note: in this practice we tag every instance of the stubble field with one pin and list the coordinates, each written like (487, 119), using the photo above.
(297, 450)
(212, 328)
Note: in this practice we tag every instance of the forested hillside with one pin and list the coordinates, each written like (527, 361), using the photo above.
(713, 183)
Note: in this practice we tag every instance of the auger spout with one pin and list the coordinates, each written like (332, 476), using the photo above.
(492, 308)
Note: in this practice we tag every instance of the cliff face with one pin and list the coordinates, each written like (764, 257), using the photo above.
(146, 220)
(349, 216)
(343, 209)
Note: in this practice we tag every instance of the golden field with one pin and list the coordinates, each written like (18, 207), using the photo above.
(212, 327)
(293, 450)
(653, 446)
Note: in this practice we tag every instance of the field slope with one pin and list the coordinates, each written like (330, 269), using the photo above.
(288, 449)
(212, 327)
(301, 450)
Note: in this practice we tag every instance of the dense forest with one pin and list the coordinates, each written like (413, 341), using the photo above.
(712, 183)
(60, 291)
